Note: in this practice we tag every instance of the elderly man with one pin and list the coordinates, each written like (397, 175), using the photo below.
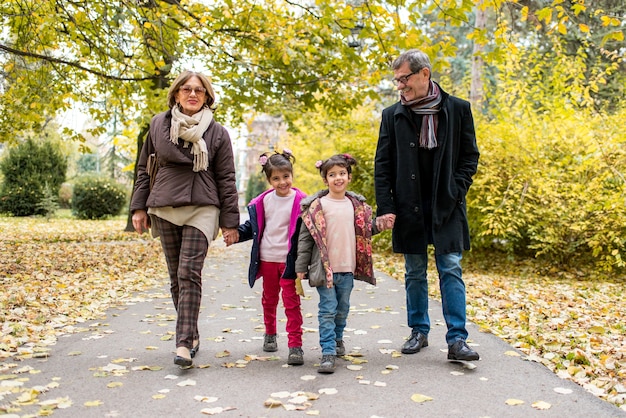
(425, 159)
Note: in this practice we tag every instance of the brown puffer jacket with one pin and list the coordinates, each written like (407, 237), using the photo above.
(176, 183)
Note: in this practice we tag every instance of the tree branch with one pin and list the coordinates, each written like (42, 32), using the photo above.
(73, 64)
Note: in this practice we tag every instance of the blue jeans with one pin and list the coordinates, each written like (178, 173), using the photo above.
(452, 294)
(333, 307)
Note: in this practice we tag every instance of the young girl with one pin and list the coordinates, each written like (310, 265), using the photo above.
(334, 248)
(273, 226)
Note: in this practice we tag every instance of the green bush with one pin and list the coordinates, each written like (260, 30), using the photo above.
(97, 198)
(557, 195)
(257, 184)
(65, 196)
(32, 171)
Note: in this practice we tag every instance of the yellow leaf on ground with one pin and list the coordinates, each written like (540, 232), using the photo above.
(514, 402)
(418, 397)
(93, 403)
(512, 353)
(541, 405)
(114, 384)
(272, 403)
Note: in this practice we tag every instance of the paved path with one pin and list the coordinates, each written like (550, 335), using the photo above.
(123, 364)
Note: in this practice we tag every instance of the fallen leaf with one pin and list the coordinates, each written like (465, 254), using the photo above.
(562, 391)
(215, 411)
(93, 403)
(541, 405)
(514, 402)
(298, 399)
(206, 399)
(283, 394)
(418, 397)
(272, 403)
(328, 391)
(188, 382)
(114, 384)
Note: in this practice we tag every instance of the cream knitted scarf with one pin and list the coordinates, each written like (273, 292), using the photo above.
(190, 129)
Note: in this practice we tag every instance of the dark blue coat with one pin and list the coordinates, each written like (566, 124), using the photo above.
(397, 182)
(253, 229)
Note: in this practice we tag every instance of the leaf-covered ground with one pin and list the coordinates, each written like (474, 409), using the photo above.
(573, 325)
(55, 275)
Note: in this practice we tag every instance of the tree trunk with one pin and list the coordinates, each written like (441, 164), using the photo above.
(140, 140)
(476, 88)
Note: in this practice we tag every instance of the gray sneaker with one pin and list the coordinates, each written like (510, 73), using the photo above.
(340, 348)
(296, 356)
(327, 365)
(269, 343)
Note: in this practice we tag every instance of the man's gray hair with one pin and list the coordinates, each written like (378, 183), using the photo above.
(416, 59)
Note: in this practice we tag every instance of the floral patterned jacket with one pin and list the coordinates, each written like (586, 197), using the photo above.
(312, 250)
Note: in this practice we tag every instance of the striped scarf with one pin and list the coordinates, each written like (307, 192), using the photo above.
(427, 106)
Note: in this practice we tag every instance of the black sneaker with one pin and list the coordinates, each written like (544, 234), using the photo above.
(461, 351)
(296, 356)
(269, 343)
(340, 348)
(327, 365)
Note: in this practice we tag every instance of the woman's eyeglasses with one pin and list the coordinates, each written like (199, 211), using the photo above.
(186, 90)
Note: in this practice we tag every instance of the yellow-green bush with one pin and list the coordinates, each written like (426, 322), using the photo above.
(552, 186)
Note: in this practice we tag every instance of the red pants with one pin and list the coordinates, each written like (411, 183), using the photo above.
(272, 284)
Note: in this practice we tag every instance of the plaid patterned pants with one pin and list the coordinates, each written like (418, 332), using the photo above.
(185, 249)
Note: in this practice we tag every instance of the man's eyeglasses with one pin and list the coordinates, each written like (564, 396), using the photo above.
(404, 79)
(186, 90)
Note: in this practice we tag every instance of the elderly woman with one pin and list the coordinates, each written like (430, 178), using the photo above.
(193, 195)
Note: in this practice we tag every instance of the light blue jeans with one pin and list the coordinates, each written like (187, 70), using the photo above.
(333, 308)
(452, 294)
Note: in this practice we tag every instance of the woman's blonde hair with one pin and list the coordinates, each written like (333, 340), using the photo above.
(209, 97)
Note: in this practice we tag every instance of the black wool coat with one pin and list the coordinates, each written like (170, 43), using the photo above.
(397, 182)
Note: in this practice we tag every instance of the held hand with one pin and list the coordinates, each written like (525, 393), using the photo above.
(141, 221)
(386, 221)
(301, 276)
(231, 236)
